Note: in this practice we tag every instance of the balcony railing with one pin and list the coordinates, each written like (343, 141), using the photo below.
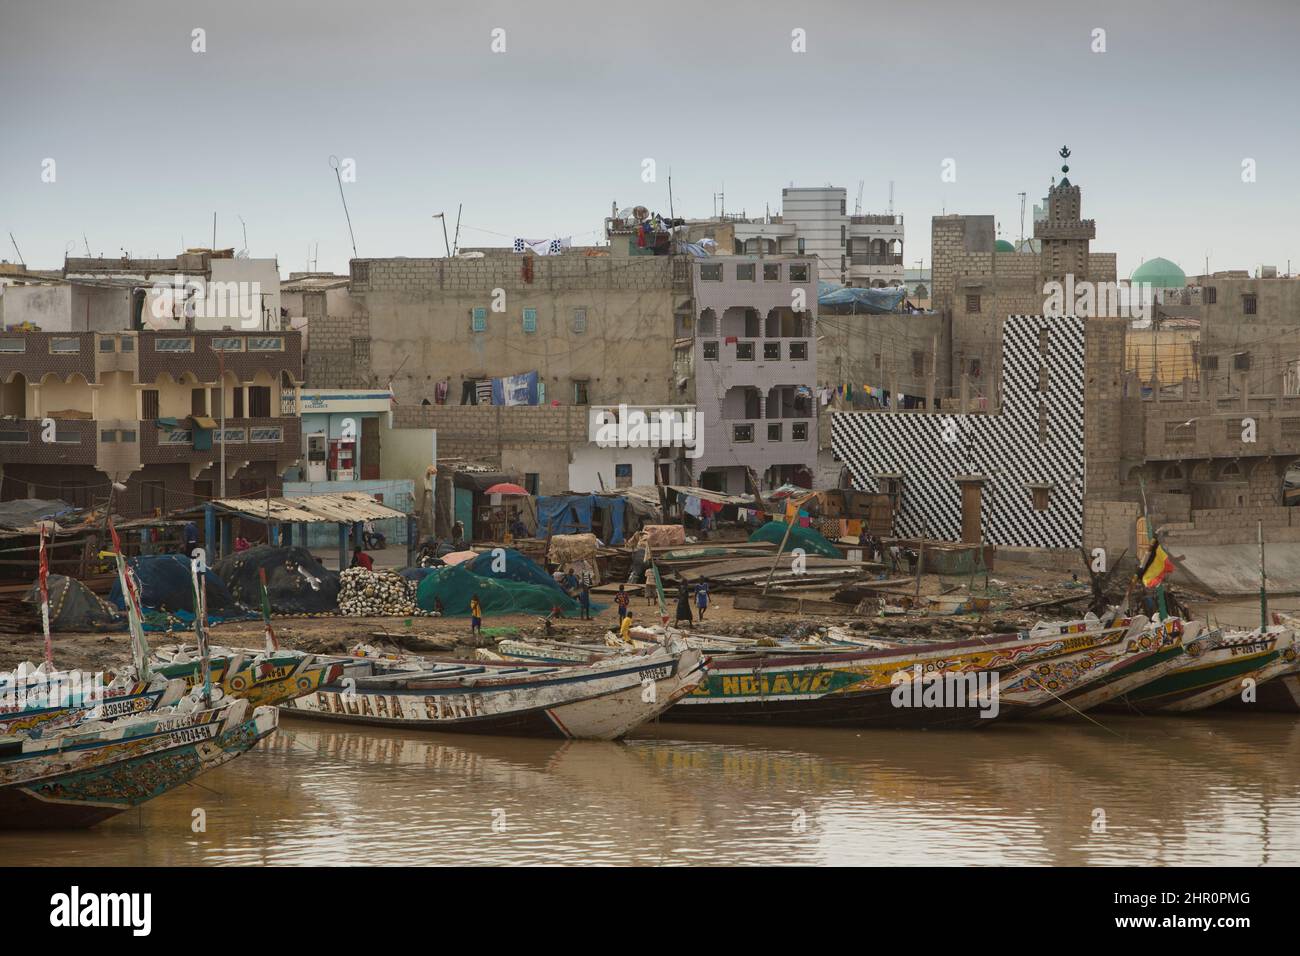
(249, 438)
(24, 441)
(879, 219)
(871, 259)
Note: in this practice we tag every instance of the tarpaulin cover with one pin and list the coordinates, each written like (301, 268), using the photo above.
(871, 301)
(165, 585)
(662, 535)
(572, 514)
(295, 581)
(572, 547)
(74, 607)
(27, 512)
(520, 585)
(515, 389)
(806, 538)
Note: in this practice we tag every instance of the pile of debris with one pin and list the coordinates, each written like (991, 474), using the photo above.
(365, 593)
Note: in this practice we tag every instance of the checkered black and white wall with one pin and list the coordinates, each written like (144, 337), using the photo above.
(930, 449)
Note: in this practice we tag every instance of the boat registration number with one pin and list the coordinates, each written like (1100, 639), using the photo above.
(657, 673)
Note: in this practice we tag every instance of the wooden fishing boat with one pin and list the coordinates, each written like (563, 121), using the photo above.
(1070, 688)
(263, 678)
(603, 700)
(99, 769)
(932, 685)
(39, 702)
(1212, 670)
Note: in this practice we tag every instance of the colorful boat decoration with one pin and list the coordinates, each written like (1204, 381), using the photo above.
(260, 677)
(603, 700)
(99, 769)
(1211, 671)
(1074, 684)
(40, 701)
(934, 685)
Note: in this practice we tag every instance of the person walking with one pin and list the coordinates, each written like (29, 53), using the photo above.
(702, 597)
(475, 618)
(651, 592)
(621, 600)
(684, 606)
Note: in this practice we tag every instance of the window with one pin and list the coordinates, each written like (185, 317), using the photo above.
(1180, 431)
(972, 304)
(1248, 304)
(531, 484)
(263, 343)
(799, 273)
(228, 343)
(15, 436)
(153, 497)
(149, 403)
(1211, 295)
(771, 351)
(799, 431)
(580, 394)
(237, 398)
(361, 273)
(128, 344)
(771, 273)
(975, 368)
(65, 345)
(108, 435)
(128, 435)
(1209, 362)
(259, 401)
(262, 435)
(798, 351)
(844, 236)
(745, 272)
(579, 321)
(622, 476)
(1241, 361)
(479, 322)
(918, 364)
(198, 401)
(106, 345)
(773, 431)
(13, 345)
(173, 345)
(1044, 341)
(843, 207)
(711, 272)
(877, 358)
(711, 351)
(530, 320)
(742, 433)
(744, 351)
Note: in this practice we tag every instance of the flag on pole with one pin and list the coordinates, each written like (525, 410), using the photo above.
(44, 578)
(200, 627)
(1158, 566)
(131, 597)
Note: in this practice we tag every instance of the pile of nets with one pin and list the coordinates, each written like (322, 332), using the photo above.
(295, 581)
(166, 587)
(74, 607)
(800, 537)
(505, 581)
(365, 593)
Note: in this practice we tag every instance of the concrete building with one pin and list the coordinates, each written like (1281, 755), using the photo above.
(755, 366)
(84, 409)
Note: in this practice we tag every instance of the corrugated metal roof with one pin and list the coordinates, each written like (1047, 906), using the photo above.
(346, 506)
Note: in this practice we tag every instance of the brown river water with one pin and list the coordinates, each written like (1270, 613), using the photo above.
(1146, 791)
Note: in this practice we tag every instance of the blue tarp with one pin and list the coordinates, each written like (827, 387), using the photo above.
(165, 585)
(873, 301)
(572, 514)
(515, 389)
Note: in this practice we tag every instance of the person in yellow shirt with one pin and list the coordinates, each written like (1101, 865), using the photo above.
(625, 627)
(475, 617)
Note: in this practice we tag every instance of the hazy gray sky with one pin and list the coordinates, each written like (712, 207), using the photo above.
(150, 138)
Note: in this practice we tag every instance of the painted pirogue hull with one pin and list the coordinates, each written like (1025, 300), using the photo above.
(269, 681)
(136, 698)
(870, 688)
(602, 701)
(92, 780)
(1209, 672)
(1147, 651)
(1279, 696)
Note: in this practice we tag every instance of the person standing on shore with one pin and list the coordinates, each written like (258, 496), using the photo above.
(684, 606)
(475, 618)
(702, 597)
(621, 599)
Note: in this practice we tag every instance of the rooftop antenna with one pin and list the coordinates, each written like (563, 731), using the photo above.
(243, 226)
(857, 206)
(334, 162)
(87, 242)
(891, 197)
(455, 239)
(1022, 221)
(21, 261)
(213, 247)
(445, 241)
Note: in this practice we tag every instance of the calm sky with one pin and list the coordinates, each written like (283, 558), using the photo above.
(149, 138)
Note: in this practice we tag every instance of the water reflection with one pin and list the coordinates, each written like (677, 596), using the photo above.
(1222, 789)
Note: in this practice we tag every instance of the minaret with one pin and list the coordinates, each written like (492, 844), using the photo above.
(1063, 234)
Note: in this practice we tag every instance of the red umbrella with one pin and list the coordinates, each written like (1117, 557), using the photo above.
(506, 488)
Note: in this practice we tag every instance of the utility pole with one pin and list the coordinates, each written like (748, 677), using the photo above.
(221, 393)
(445, 241)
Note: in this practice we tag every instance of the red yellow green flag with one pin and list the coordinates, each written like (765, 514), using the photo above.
(1157, 568)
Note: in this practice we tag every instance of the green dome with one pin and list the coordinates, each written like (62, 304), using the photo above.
(1160, 273)
(1003, 246)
